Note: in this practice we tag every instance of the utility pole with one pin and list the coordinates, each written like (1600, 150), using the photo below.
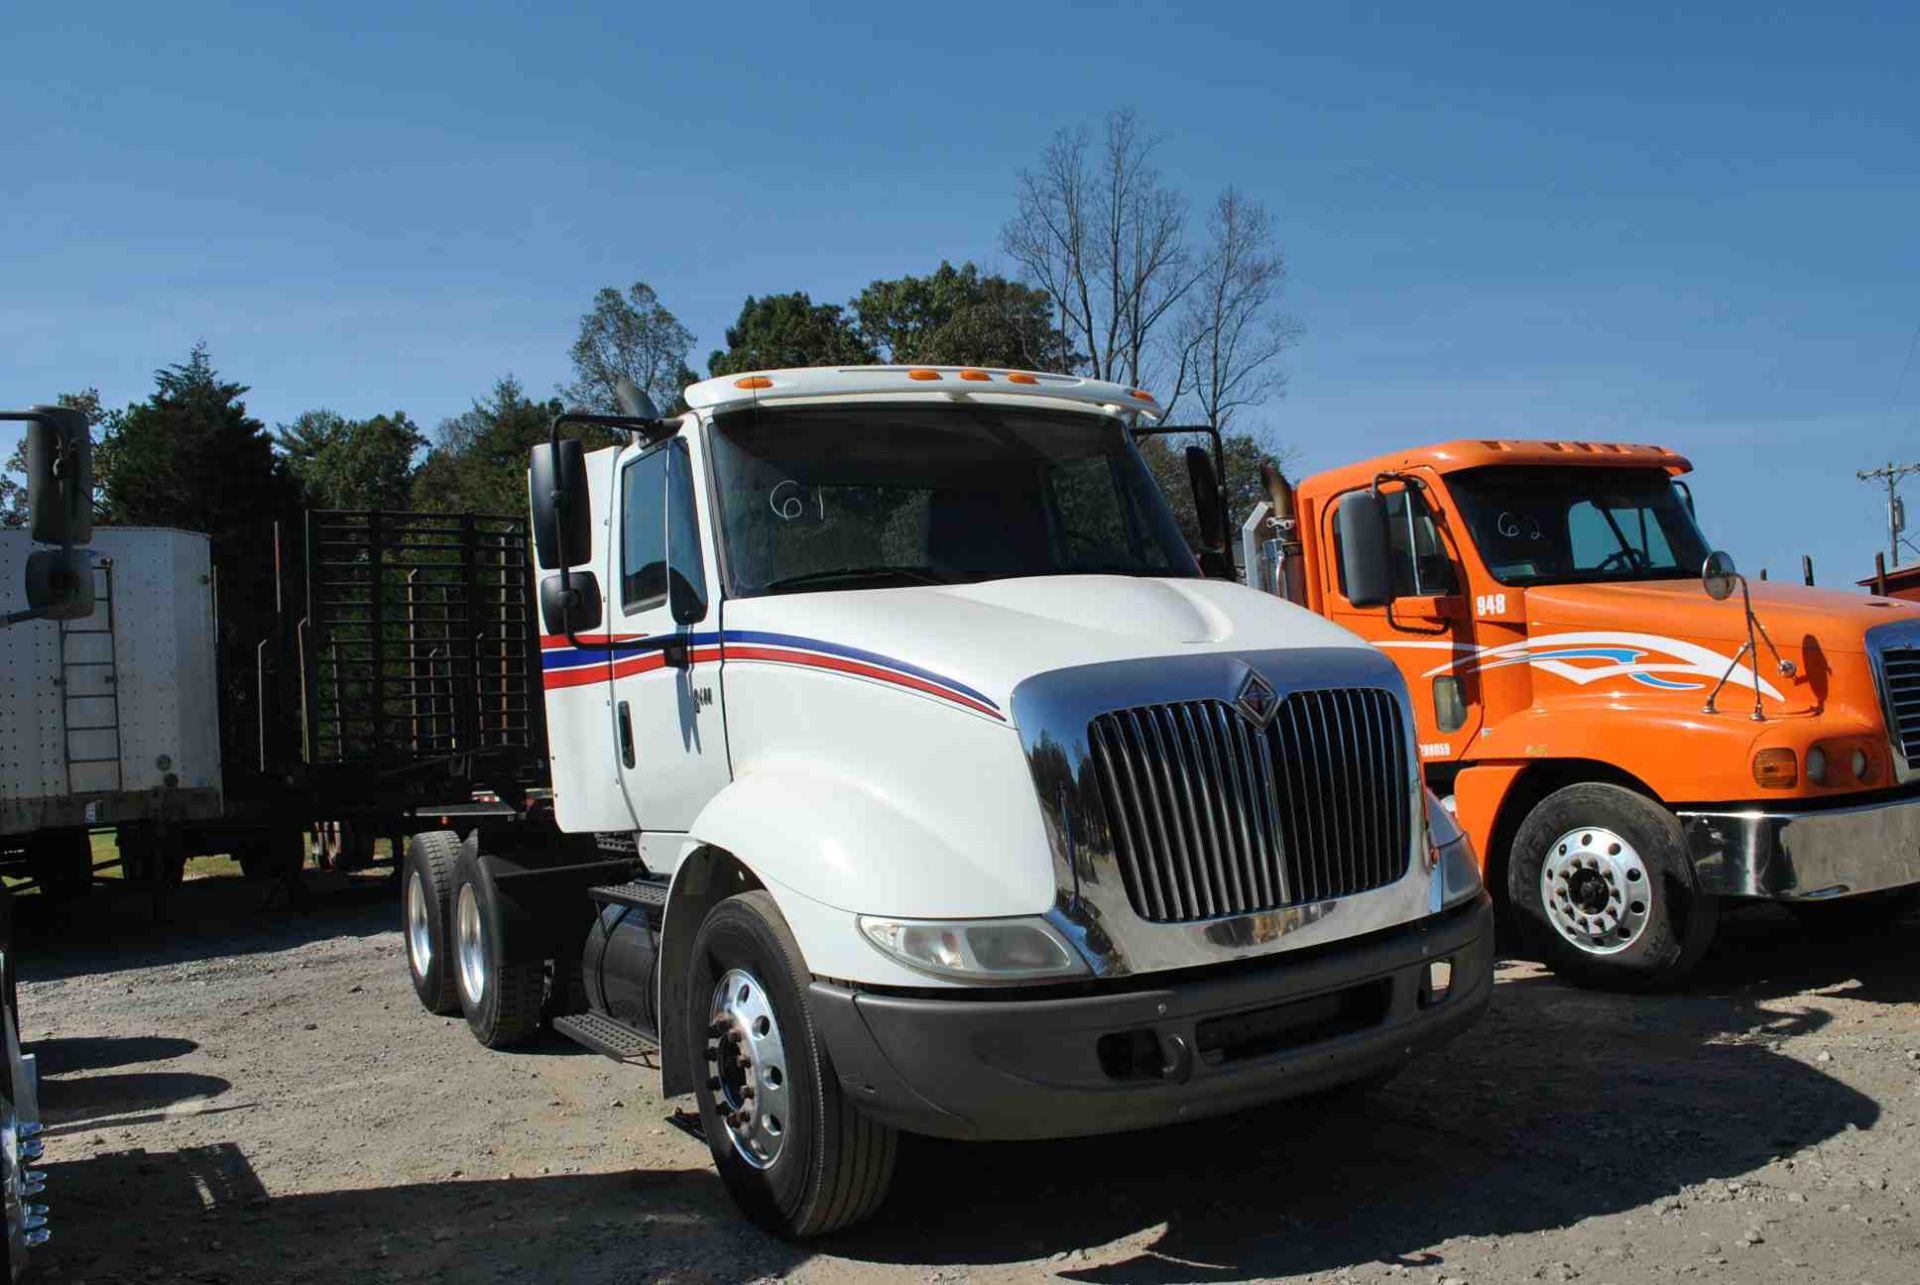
(1896, 511)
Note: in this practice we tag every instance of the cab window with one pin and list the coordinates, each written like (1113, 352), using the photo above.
(643, 533)
(660, 531)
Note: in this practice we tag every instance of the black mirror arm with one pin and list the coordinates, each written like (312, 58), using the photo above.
(627, 425)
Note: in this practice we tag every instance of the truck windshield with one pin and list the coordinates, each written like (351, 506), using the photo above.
(1544, 525)
(840, 497)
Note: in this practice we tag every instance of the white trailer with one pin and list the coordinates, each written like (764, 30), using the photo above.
(111, 719)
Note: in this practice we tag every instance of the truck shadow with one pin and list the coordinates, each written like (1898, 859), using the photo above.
(1563, 1105)
(124, 1214)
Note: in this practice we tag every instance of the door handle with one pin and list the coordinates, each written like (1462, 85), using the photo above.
(626, 734)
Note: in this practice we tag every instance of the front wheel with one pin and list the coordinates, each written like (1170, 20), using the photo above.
(1601, 887)
(798, 1157)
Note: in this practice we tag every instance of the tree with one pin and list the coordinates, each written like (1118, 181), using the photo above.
(632, 336)
(13, 485)
(1105, 239)
(352, 463)
(1231, 332)
(782, 330)
(958, 317)
(478, 463)
(190, 456)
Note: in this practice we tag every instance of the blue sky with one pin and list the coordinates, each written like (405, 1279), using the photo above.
(1700, 230)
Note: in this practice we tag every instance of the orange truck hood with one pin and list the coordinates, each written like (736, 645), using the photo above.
(1795, 616)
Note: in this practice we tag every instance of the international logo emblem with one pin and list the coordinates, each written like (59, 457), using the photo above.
(1256, 701)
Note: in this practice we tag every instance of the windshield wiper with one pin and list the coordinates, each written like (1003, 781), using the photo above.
(912, 575)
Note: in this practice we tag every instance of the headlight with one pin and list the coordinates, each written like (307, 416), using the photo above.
(1817, 765)
(1454, 870)
(1442, 829)
(1861, 766)
(976, 950)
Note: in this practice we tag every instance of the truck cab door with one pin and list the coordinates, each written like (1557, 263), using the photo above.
(1426, 628)
(669, 731)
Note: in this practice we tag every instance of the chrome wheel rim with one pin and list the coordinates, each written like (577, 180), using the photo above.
(419, 936)
(749, 1068)
(471, 947)
(1596, 890)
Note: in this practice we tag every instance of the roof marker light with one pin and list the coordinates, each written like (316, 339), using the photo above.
(1021, 379)
(923, 374)
(753, 381)
(1140, 394)
(975, 375)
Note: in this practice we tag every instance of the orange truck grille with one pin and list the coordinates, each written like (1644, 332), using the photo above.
(1901, 665)
(1212, 815)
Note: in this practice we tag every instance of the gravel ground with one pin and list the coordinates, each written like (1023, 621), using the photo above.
(254, 1095)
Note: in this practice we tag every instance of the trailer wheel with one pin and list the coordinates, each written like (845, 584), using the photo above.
(426, 895)
(798, 1157)
(1601, 887)
(502, 996)
(61, 862)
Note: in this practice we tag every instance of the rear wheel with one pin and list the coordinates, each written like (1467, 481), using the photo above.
(797, 1156)
(426, 895)
(501, 994)
(1600, 886)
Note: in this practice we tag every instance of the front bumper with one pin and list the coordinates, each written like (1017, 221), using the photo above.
(1116, 1059)
(1801, 856)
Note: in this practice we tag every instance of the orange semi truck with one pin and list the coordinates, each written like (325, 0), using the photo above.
(1630, 732)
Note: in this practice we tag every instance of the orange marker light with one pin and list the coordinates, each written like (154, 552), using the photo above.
(923, 374)
(1141, 394)
(1776, 769)
(753, 381)
(975, 375)
(1021, 379)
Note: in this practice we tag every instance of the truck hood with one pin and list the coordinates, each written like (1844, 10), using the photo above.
(979, 641)
(1795, 616)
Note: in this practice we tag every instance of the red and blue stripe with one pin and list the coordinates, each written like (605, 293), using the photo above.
(602, 657)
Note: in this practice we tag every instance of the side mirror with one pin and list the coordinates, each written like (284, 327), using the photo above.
(1206, 496)
(562, 512)
(1718, 577)
(60, 476)
(565, 611)
(60, 583)
(1209, 513)
(1365, 556)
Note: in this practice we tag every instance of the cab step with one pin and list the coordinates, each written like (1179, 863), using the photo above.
(641, 894)
(606, 1036)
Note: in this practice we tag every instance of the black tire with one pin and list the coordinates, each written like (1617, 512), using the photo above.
(61, 863)
(426, 895)
(833, 1164)
(1636, 931)
(501, 995)
(1852, 918)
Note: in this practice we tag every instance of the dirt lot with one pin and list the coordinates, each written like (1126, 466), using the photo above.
(255, 1096)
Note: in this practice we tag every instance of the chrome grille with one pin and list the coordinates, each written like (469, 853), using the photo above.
(1211, 815)
(1900, 668)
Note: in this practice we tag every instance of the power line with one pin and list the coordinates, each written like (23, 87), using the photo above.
(1891, 474)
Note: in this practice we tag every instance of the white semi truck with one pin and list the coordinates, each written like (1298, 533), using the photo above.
(910, 775)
